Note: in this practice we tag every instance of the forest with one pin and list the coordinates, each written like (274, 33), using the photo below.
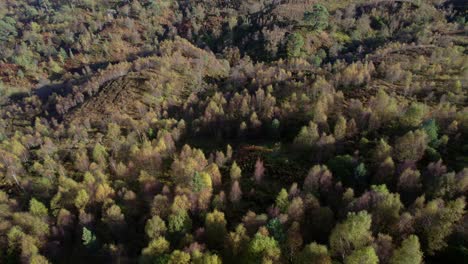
(234, 131)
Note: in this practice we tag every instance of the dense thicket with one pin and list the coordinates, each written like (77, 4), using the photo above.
(236, 131)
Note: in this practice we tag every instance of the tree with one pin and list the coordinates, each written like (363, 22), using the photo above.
(317, 19)
(296, 209)
(362, 256)
(259, 171)
(180, 203)
(318, 179)
(294, 239)
(215, 228)
(413, 115)
(381, 151)
(385, 207)
(408, 253)
(385, 172)
(155, 227)
(275, 228)
(81, 199)
(88, 238)
(360, 173)
(384, 107)
(314, 254)
(411, 146)
(7, 29)
(384, 247)
(38, 259)
(294, 45)
(103, 191)
(236, 193)
(37, 208)
(432, 131)
(409, 182)
(179, 222)
(201, 181)
(282, 200)
(220, 159)
(28, 247)
(207, 258)
(235, 172)
(352, 234)
(436, 221)
(99, 154)
(155, 251)
(307, 136)
(179, 257)
(340, 128)
(263, 249)
(160, 206)
(215, 174)
(114, 217)
(229, 152)
(236, 242)
(275, 129)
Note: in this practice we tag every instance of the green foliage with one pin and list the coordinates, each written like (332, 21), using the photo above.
(275, 128)
(382, 151)
(201, 181)
(215, 228)
(99, 153)
(352, 234)
(7, 29)
(317, 19)
(179, 222)
(364, 255)
(414, 115)
(25, 58)
(37, 208)
(236, 242)
(155, 251)
(155, 227)
(54, 67)
(263, 249)
(314, 253)
(432, 154)
(282, 200)
(179, 257)
(235, 172)
(408, 253)
(294, 45)
(82, 199)
(385, 211)
(276, 230)
(360, 172)
(340, 128)
(14, 237)
(411, 146)
(208, 259)
(432, 131)
(88, 238)
(307, 136)
(38, 259)
(151, 133)
(334, 111)
(443, 218)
